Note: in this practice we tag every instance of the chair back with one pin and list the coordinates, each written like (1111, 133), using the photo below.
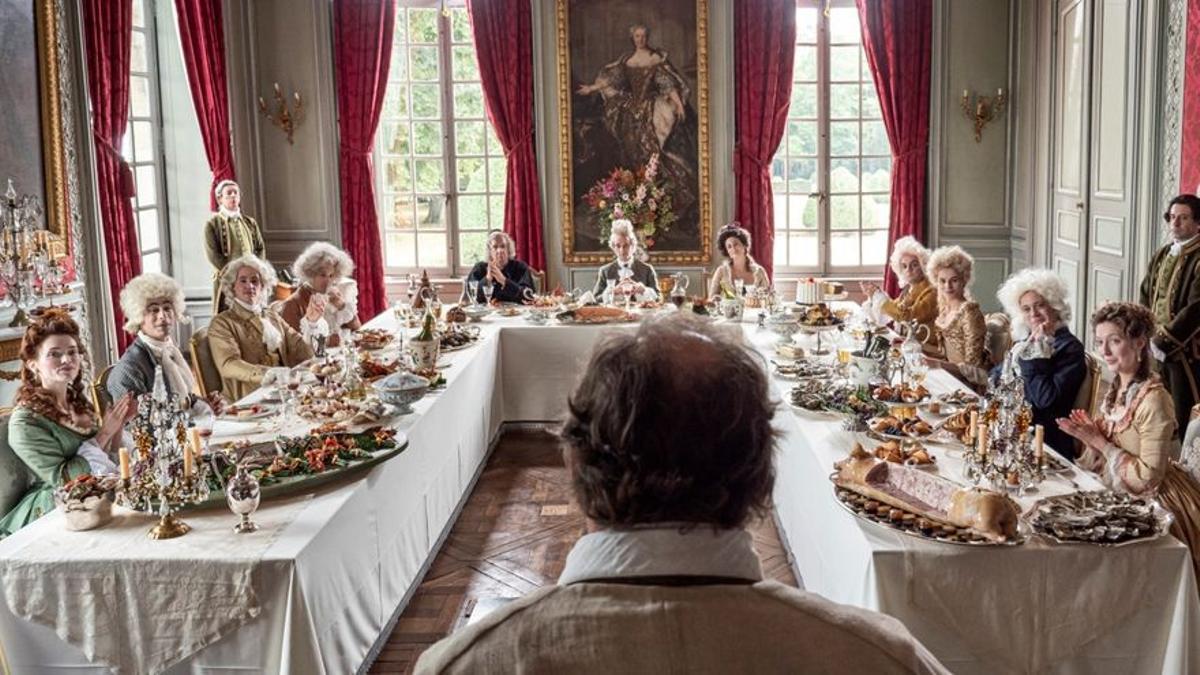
(1088, 398)
(15, 476)
(539, 280)
(999, 336)
(203, 366)
(101, 399)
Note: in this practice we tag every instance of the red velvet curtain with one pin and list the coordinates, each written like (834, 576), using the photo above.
(362, 44)
(896, 37)
(108, 26)
(1189, 157)
(504, 49)
(202, 32)
(762, 75)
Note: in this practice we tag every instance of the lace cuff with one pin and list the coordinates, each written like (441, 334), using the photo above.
(96, 458)
(1035, 348)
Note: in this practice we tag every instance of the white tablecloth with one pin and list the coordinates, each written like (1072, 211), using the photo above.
(330, 581)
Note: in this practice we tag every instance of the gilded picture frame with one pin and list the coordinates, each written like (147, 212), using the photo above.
(614, 114)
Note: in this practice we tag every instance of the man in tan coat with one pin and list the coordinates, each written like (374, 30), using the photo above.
(669, 443)
(230, 234)
(248, 339)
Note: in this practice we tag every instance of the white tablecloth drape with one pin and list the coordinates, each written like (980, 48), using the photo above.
(330, 581)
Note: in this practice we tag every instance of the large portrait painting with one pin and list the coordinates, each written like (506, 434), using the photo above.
(633, 128)
(31, 129)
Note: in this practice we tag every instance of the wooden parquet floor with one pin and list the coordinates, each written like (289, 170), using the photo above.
(512, 537)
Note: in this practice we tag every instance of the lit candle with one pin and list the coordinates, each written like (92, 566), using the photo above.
(278, 91)
(197, 448)
(187, 462)
(123, 457)
(981, 439)
(1038, 435)
(966, 94)
(974, 424)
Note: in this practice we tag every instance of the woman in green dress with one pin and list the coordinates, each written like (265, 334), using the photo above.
(53, 428)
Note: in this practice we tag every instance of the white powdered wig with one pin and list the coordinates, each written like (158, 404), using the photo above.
(907, 246)
(1042, 281)
(147, 288)
(320, 254)
(265, 272)
(950, 257)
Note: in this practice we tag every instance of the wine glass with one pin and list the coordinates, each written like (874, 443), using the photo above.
(739, 287)
(488, 290)
(473, 289)
(412, 288)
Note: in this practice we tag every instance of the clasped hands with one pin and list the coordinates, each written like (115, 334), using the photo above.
(1078, 424)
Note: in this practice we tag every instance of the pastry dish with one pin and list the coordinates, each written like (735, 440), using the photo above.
(902, 452)
(902, 394)
(893, 426)
(372, 338)
(595, 314)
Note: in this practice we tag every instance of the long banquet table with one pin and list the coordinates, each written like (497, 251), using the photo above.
(315, 591)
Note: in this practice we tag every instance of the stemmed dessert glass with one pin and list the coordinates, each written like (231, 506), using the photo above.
(488, 290)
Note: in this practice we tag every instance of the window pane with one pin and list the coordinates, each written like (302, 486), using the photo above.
(139, 14)
(806, 24)
(424, 62)
(802, 175)
(843, 175)
(397, 175)
(875, 140)
(152, 262)
(147, 186)
(137, 52)
(398, 71)
(398, 212)
(468, 100)
(843, 138)
(401, 31)
(427, 138)
(430, 176)
(422, 25)
(804, 249)
(877, 174)
(139, 96)
(843, 25)
(464, 63)
(496, 210)
(804, 68)
(495, 149)
(876, 211)
(460, 25)
(497, 172)
(148, 229)
(802, 138)
(843, 249)
(798, 206)
(127, 143)
(394, 138)
(843, 213)
(426, 101)
(843, 100)
(804, 101)
(143, 142)
(843, 63)
(471, 176)
(874, 247)
(401, 249)
(431, 247)
(468, 137)
(472, 247)
(395, 101)
(431, 212)
(870, 101)
(472, 212)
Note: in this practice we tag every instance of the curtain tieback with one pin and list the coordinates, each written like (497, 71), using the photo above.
(527, 137)
(124, 173)
(908, 154)
(739, 155)
(349, 150)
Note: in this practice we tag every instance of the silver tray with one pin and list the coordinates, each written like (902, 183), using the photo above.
(944, 538)
(1162, 520)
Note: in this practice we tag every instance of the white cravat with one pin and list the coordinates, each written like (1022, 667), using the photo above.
(272, 338)
(175, 368)
(236, 213)
(1177, 246)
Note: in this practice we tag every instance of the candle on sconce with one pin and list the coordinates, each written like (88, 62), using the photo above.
(966, 93)
(123, 458)
(278, 90)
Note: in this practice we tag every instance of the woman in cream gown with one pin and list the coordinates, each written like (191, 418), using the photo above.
(1131, 446)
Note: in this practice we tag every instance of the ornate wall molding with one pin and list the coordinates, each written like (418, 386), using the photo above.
(1176, 32)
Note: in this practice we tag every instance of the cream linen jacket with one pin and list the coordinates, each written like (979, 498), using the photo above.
(738, 625)
(236, 341)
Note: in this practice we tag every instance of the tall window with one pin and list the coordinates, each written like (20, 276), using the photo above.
(832, 173)
(141, 146)
(439, 166)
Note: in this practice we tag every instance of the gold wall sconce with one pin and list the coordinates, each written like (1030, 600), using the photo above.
(285, 117)
(985, 109)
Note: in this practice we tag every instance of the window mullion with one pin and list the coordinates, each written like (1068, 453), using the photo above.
(823, 187)
(450, 161)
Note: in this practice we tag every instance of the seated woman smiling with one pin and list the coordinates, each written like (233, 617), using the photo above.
(54, 429)
(248, 339)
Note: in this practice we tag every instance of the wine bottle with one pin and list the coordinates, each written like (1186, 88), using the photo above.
(426, 333)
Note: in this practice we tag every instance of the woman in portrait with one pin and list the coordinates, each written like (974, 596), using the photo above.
(248, 339)
(53, 428)
(1130, 446)
(327, 299)
(960, 324)
(645, 102)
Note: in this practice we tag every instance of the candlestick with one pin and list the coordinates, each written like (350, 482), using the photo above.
(1038, 435)
(123, 457)
(197, 448)
(187, 462)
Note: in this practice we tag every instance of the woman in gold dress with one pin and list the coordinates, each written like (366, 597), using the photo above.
(918, 298)
(961, 329)
(1131, 445)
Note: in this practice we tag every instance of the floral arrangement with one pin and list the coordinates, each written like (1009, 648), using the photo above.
(81, 487)
(639, 196)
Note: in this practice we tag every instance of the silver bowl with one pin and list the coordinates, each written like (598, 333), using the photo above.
(401, 390)
(476, 312)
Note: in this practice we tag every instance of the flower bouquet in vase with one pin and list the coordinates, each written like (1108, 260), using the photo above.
(637, 195)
